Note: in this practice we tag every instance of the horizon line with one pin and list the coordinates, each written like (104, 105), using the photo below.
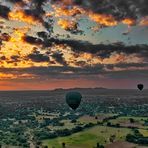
(72, 88)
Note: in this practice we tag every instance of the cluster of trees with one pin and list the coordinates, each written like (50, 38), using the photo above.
(123, 109)
(63, 145)
(12, 134)
(110, 118)
(117, 125)
(137, 138)
(45, 133)
(99, 145)
(113, 125)
(20, 140)
(146, 122)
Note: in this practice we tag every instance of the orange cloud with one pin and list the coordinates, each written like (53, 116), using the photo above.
(5, 76)
(102, 19)
(67, 24)
(129, 22)
(144, 21)
(19, 15)
(63, 11)
(16, 46)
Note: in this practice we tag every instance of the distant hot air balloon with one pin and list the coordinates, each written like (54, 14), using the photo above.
(73, 99)
(140, 86)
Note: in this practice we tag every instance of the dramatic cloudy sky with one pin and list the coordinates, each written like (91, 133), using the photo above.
(47, 44)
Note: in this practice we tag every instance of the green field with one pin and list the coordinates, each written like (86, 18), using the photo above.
(125, 122)
(92, 119)
(144, 132)
(89, 137)
(67, 125)
(125, 118)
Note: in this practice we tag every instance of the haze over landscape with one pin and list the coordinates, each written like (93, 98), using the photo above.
(48, 44)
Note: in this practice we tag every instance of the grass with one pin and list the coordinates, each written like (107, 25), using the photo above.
(144, 132)
(124, 118)
(67, 125)
(89, 137)
(91, 119)
(87, 119)
(125, 121)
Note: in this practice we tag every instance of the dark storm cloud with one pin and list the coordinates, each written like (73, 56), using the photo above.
(32, 40)
(15, 58)
(66, 72)
(34, 9)
(81, 63)
(4, 37)
(106, 50)
(103, 50)
(2, 58)
(35, 14)
(38, 57)
(43, 40)
(59, 58)
(15, 1)
(42, 34)
(126, 65)
(4, 10)
(56, 71)
(38, 3)
(118, 8)
(35, 3)
(19, 2)
(100, 50)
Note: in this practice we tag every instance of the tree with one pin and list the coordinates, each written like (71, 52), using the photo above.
(96, 117)
(63, 145)
(101, 146)
(112, 138)
(73, 121)
(132, 120)
(98, 145)
(108, 124)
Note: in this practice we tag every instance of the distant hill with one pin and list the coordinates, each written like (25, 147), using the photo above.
(80, 89)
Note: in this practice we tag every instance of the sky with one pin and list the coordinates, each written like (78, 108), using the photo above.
(48, 44)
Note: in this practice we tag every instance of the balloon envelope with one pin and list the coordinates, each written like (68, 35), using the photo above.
(140, 86)
(73, 99)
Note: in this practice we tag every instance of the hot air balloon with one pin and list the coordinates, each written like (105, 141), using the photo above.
(140, 86)
(73, 99)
